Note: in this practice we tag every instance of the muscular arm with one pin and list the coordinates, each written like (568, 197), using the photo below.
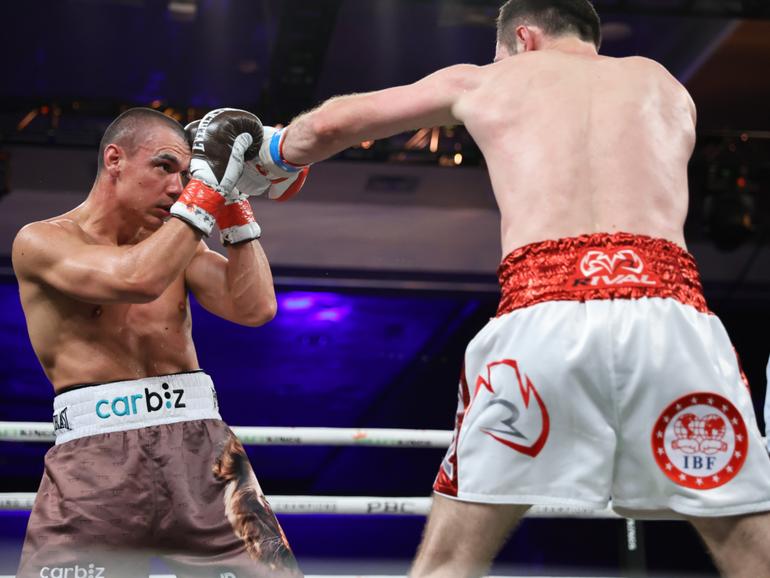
(238, 288)
(344, 121)
(56, 254)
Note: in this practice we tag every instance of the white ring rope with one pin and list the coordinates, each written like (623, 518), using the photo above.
(359, 505)
(19, 431)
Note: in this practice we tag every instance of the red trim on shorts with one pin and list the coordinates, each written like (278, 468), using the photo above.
(599, 266)
(446, 484)
(744, 379)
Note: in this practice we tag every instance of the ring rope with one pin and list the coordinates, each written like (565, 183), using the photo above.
(359, 505)
(19, 431)
(42, 431)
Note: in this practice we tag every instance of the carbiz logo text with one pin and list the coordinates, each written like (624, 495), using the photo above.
(138, 403)
(76, 571)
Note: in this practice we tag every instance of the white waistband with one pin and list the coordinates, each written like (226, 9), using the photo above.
(125, 405)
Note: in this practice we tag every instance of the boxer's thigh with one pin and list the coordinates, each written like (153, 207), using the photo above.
(92, 509)
(218, 517)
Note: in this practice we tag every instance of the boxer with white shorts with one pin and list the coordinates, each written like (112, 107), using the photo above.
(604, 374)
(143, 464)
(604, 356)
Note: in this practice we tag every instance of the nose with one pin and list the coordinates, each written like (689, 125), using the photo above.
(176, 186)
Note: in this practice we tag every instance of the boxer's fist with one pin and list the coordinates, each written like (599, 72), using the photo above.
(223, 140)
(253, 183)
(190, 130)
(270, 173)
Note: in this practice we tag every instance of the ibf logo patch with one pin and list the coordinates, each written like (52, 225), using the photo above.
(619, 267)
(700, 441)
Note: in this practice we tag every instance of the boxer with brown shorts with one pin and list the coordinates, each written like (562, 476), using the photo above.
(143, 465)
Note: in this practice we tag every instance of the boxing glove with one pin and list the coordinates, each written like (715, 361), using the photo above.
(223, 140)
(235, 218)
(270, 173)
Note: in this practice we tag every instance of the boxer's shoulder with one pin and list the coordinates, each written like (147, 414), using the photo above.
(40, 239)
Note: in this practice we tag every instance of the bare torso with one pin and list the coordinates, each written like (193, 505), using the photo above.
(79, 342)
(578, 144)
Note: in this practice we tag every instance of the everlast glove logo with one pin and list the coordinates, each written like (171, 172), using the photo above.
(60, 420)
(200, 133)
(138, 403)
(214, 397)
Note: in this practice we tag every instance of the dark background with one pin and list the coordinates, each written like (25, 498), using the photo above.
(371, 346)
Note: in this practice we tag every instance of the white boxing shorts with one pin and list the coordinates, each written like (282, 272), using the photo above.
(605, 376)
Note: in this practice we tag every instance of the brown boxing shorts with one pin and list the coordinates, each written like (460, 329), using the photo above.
(147, 468)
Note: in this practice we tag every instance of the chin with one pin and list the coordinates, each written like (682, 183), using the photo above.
(155, 223)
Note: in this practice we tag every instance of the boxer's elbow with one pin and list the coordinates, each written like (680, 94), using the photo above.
(268, 310)
(141, 287)
(141, 291)
(135, 281)
(260, 313)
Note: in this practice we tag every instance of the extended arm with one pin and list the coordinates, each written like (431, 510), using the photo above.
(344, 121)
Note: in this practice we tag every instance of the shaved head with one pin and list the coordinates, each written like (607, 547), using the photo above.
(131, 128)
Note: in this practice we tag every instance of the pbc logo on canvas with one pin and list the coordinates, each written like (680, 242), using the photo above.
(620, 267)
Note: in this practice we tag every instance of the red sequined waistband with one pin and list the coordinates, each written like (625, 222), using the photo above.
(599, 266)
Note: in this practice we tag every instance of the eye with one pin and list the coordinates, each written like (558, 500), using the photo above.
(166, 167)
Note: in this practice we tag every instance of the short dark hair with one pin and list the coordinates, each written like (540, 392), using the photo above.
(127, 129)
(555, 17)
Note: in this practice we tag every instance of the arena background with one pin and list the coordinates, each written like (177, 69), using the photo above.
(385, 263)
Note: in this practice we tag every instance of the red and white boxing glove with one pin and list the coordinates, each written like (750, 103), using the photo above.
(271, 173)
(223, 141)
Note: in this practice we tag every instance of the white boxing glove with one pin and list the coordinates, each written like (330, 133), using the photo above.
(270, 173)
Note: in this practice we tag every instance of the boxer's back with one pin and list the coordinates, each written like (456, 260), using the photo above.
(578, 144)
